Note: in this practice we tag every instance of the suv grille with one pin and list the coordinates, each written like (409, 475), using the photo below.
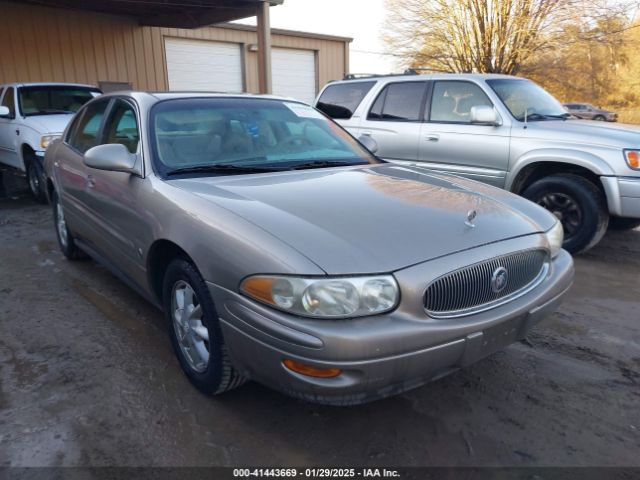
(485, 285)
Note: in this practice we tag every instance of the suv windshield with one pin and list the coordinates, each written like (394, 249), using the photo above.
(240, 135)
(525, 98)
(53, 99)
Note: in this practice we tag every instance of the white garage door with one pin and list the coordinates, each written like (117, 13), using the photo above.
(294, 73)
(204, 66)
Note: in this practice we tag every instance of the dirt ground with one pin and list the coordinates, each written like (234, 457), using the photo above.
(87, 377)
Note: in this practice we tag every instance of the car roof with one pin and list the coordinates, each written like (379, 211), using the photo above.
(48, 84)
(158, 96)
(430, 76)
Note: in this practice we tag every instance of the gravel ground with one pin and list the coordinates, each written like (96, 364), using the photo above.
(87, 377)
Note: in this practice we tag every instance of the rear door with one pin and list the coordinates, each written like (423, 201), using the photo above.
(395, 118)
(449, 142)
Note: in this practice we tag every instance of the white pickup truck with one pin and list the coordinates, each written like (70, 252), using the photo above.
(32, 115)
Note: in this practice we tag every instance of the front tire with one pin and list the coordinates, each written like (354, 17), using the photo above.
(66, 241)
(599, 118)
(195, 331)
(577, 203)
(35, 180)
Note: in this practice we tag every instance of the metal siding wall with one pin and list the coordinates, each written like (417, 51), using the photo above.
(56, 45)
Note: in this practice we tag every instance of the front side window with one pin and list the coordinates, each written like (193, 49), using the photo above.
(341, 100)
(9, 101)
(452, 101)
(85, 134)
(235, 135)
(53, 99)
(399, 102)
(122, 126)
(526, 100)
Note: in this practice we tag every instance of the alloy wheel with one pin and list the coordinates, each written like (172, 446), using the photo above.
(61, 225)
(566, 209)
(191, 333)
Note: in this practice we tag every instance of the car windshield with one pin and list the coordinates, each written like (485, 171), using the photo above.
(53, 99)
(526, 99)
(247, 135)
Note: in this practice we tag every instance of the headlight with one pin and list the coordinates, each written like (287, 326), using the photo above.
(337, 297)
(555, 237)
(633, 158)
(46, 140)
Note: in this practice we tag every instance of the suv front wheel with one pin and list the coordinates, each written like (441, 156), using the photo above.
(577, 203)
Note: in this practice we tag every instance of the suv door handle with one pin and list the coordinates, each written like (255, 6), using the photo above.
(366, 134)
(91, 182)
(433, 137)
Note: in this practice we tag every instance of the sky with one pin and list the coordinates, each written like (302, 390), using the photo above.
(361, 20)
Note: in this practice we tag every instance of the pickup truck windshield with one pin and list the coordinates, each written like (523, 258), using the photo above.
(53, 99)
(228, 136)
(525, 98)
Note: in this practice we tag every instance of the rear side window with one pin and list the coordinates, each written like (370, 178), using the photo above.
(341, 100)
(85, 133)
(399, 102)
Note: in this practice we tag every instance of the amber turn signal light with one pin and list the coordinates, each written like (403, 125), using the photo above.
(633, 159)
(310, 371)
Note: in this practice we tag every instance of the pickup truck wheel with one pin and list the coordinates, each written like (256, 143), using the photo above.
(577, 203)
(65, 238)
(35, 179)
(622, 223)
(195, 331)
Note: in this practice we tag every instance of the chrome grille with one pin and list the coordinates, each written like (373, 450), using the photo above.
(469, 289)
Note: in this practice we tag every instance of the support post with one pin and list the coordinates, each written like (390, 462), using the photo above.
(264, 48)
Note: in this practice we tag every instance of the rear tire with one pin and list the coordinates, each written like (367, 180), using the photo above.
(195, 330)
(622, 223)
(35, 180)
(578, 204)
(66, 241)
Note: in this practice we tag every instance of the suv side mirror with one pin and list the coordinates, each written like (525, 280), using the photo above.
(484, 115)
(113, 157)
(5, 112)
(368, 143)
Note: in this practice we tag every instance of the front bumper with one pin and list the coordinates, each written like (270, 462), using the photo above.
(623, 196)
(385, 354)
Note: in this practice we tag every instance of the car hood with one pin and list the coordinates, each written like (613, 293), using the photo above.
(46, 124)
(586, 132)
(372, 219)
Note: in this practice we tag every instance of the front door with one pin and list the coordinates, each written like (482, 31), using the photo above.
(9, 130)
(450, 143)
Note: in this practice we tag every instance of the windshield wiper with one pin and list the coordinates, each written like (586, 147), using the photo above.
(231, 169)
(540, 116)
(322, 164)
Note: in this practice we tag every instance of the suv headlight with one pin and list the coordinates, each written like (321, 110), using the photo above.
(46, 140)
(633, 158)
(555, 237)
(338, 297)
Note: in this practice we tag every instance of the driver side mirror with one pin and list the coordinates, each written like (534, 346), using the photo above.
(368, 143)
(5, 112)
(113, 157)
(484, 115)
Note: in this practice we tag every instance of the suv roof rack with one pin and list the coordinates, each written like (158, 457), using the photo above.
(358, 76)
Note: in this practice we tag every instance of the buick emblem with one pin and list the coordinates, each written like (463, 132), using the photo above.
(499, 279)
(471, 216)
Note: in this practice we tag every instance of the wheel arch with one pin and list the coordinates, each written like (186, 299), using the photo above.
(161, 253)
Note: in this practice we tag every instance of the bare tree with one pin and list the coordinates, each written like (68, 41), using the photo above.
(485, 36)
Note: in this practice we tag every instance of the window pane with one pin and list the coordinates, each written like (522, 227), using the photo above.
(340, 101)
(45, 100)
(376, 110)
(452, 101)
(122, 126)
(9, 101)
(403, 101)
(86, 135)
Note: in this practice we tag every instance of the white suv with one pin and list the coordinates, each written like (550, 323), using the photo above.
(31, 116)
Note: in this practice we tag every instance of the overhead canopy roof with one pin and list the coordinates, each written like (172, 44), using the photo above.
(167, 13)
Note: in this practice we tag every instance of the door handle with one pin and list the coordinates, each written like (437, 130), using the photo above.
(366, 134)
(90, 181)
(433, 137)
